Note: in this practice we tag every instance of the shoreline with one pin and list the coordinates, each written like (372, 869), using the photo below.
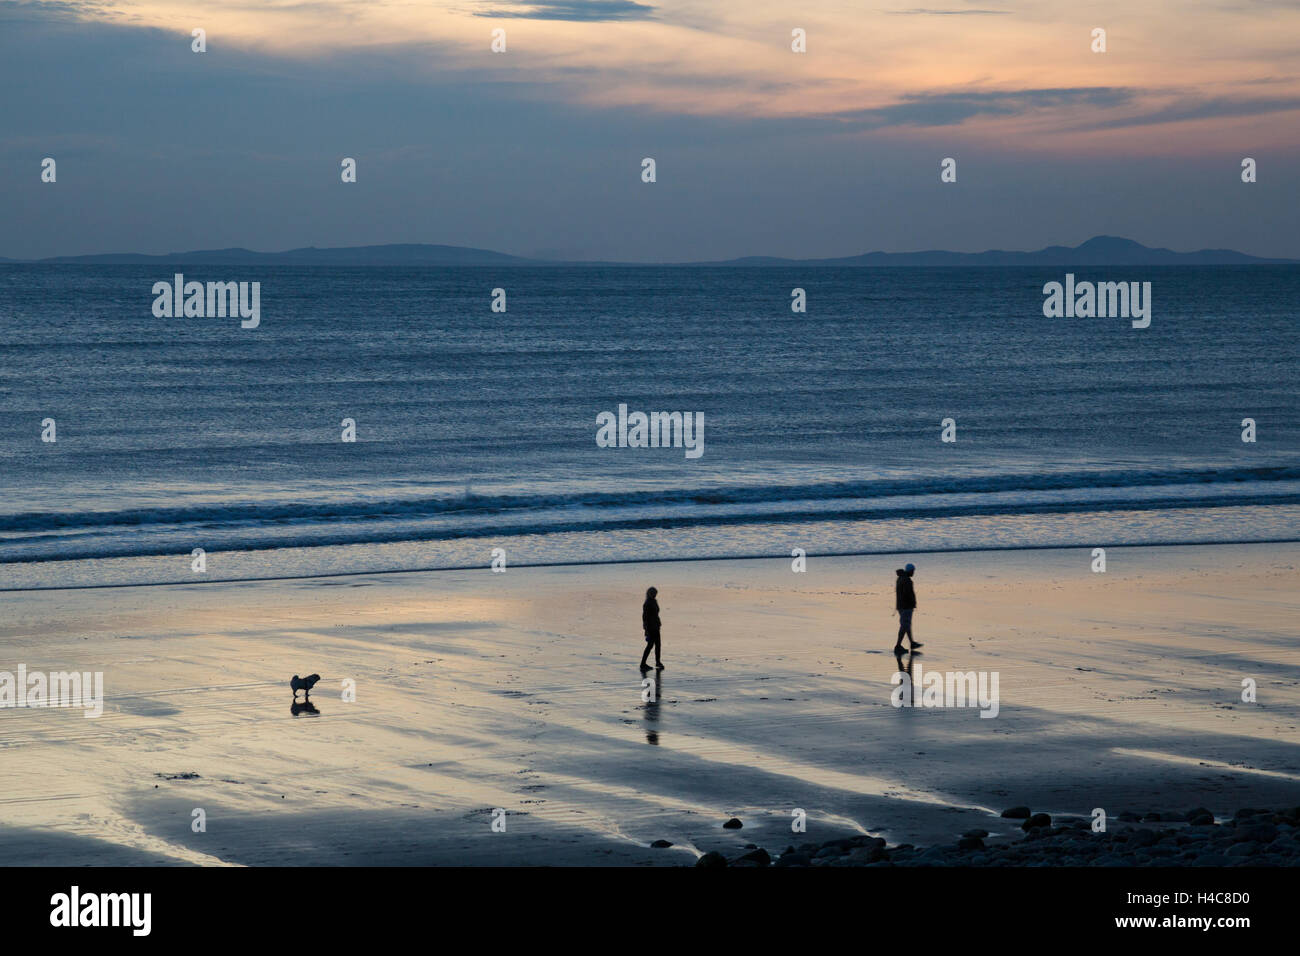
(994, 549)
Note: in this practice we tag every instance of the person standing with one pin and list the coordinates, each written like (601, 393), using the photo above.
(905, 604)
(650, 624)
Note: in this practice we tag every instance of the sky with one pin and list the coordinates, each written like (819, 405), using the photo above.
(538, 150)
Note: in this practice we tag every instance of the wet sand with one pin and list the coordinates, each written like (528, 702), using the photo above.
(520, 691)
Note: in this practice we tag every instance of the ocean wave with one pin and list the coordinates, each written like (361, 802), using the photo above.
(221, 515)
(233, 538)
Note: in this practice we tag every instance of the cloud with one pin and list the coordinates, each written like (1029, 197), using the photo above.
(928, 12)
(1190, 109)
(583, 11)
(950, 109)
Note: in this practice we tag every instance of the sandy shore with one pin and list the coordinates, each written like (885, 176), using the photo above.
(520, 691)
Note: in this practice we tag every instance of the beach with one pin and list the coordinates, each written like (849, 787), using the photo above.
(519, 692)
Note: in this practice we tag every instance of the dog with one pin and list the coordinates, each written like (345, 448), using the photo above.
(304, 684)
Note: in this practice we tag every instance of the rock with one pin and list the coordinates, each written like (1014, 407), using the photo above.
(970, 843)
(732, 824)
(1142, 838)
(1243, 849)
(758, 856)
(661, 844)
(976, 834)
(1016, 813)
(1037, 820)
(1201, 820)
(793, 859)
(712, 860)
(867, 854)
(827, 852)
(1260, 833)
(1128, 816)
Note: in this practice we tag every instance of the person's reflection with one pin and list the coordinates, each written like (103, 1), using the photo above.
(651, 689)
(900, 667)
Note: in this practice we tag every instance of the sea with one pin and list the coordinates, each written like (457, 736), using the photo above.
(475, 430)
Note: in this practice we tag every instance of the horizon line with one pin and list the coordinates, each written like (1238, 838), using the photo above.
(1106, 242)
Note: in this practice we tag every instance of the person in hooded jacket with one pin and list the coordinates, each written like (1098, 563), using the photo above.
(905, 604)
(650, 624)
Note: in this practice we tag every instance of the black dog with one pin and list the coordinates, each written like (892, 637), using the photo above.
(304, 684)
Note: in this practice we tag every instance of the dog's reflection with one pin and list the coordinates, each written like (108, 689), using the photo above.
(304, 708)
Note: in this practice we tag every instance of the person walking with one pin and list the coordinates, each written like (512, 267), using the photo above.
(650, 623)
(905, 604)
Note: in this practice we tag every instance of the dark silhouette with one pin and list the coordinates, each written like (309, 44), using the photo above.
(650, 623)
(300, 707)
(304, 684)
(905, 604)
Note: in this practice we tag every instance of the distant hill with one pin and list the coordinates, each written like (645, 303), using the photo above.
(1098, 251)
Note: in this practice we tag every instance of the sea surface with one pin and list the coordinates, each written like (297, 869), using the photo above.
(476, 430)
